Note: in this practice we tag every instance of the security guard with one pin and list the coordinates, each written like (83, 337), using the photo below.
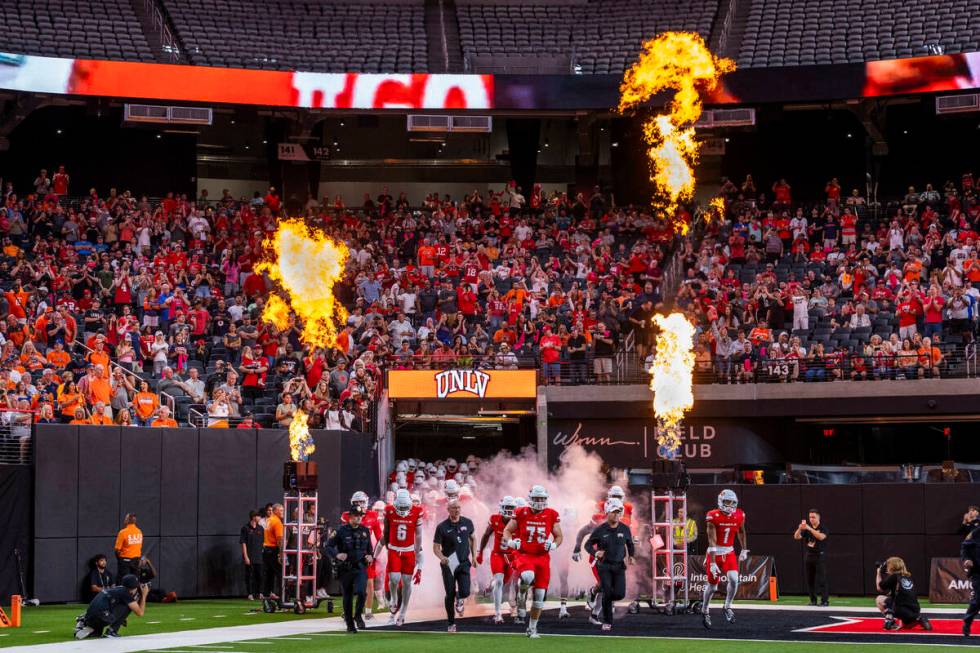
(970, 557)
(129, 547)
(350, 546)
(612, 545)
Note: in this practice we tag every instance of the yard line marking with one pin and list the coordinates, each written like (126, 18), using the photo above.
(152, 622)
(187, 618)
(41, 632)
(214, 646)
(293, 639)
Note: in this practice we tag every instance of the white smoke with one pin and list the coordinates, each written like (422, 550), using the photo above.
(573, 491)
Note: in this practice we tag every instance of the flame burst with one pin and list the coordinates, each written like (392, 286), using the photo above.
(306, 266)
(672, 380)
(680, 61)
(301, 445)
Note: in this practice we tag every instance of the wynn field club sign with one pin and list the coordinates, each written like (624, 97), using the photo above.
(462, 384)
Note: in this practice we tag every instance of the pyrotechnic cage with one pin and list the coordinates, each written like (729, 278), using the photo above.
(301, 539)
(670, 568)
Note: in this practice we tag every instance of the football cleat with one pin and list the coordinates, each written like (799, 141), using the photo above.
(594, 620)
(497, 619)
(459, 607)
(606, 627)
(391, 620)
(729, 615)
(533, 633)
(563, 613)
(400, 619)
(706, 620)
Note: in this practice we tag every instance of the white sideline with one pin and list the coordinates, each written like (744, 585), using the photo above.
(191, 638)
(206, 636)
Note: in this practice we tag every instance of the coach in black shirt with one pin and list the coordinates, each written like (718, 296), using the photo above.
(252, 538)
(453, 544)
(814, 537)
(612, 545)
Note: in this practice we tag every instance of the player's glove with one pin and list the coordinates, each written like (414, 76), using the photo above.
(515, 543)
(550, 545)
(715, 571)
(743, 555)
(479, 558)
(576, 556)
(418, 577)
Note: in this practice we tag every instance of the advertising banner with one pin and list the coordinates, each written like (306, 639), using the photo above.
(632, 442)
(948, 583)
(462, 384)
(753, 577)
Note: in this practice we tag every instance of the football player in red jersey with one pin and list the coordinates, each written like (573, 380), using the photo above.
(372, 522)
(723, 525)
(616, 492)
(403, 537)
(501, 564)
(533, 532)
(594, 599)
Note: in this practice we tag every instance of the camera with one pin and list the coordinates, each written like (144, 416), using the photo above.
(881, 566)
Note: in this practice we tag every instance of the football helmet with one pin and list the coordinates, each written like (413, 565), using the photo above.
(360, 499)
(727, 501)
(616, 492)
(452, 490)
(507, 506)
(537, 498)
(403, 503)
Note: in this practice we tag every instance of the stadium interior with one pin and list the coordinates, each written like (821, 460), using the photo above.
(483, 256)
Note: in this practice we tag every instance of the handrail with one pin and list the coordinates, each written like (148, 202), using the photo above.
(163, 396)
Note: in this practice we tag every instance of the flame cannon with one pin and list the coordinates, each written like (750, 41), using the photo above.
(301, 528)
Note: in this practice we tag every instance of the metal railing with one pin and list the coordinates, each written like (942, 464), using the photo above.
(16, 436)
(956, 364)
(159, 23)
(165, 398)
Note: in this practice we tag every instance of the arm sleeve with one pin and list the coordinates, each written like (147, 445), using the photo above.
(582, 532)
(120, 540)
(332, 545)
(630, 547)
(593, 542)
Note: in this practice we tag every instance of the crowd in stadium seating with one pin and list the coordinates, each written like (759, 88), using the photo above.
(837, 289)
(121, 310)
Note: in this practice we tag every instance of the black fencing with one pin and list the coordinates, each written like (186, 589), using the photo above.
(865, 523)
(191, 490)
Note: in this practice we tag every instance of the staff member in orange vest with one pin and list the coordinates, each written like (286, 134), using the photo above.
(272, 540)
(129, 547)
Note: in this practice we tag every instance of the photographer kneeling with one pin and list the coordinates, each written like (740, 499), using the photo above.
(110, 608)
(899, 602)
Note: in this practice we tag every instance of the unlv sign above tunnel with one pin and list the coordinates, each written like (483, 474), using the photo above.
(462, 384)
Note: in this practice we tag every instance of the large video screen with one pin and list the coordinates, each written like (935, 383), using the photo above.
(239, 86)
(176, 83)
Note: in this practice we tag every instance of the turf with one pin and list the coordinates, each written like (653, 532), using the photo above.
(55, 623)
(441, 643)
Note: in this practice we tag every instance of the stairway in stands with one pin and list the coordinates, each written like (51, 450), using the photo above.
(736, 30)
(160, 34)
(442, 34)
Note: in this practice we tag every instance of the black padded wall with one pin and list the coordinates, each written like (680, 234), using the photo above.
(190, 489)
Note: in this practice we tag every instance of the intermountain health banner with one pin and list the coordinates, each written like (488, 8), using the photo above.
(753, 577)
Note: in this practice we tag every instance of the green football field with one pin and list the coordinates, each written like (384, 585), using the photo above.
(54, 623)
